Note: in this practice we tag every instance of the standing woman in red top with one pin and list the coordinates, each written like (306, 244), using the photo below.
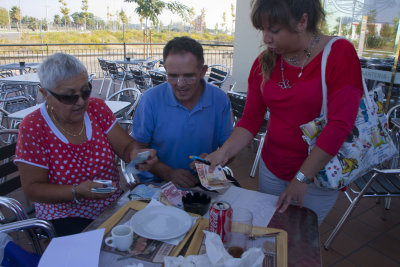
(286, 79)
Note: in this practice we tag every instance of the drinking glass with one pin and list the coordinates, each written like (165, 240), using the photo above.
(242, 225)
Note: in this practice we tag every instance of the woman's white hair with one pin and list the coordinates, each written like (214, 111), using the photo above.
(59, 67)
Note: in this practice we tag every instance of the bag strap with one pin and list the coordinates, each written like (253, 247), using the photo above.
(324, 108)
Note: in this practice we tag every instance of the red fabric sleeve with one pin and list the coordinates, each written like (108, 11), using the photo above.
(255, 108)
(345, 89)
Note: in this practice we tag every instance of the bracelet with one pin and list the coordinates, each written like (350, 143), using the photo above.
(74, 194)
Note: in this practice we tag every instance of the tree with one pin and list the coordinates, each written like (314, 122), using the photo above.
(123, 17)
(65, 11)
(15, 15)
(203, 18)
(3, 17)
(57, 20)
(223, 24)
(31, 22)
(386, 31)
(78, 18)
(150, 10)
(233, 14)
(85, 14)
(371, 27)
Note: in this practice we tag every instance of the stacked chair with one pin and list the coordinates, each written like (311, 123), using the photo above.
(218, 74)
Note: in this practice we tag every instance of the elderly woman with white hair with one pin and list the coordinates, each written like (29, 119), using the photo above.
(67, 143)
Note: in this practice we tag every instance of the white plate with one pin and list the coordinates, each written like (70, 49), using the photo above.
(161, 222)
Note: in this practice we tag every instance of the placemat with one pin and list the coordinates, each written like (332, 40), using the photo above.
(197, 246)
(143, 249)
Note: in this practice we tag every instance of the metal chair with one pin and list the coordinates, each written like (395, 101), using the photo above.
(6, 73)
(142, 79)
(29, 225)
(150, 63)
(157, 77)
(104, 69)
(376, 184)
(132, 95)
(218, 74)
(238, 102)
(91, 77)
(119, 75)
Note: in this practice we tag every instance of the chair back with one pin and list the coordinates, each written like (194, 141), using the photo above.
(141, 78)
(132, 95)
(10, 180)
(113, 68)
(91, 77)
(218, 74)
(157, 77)
(238, 102)
(103, 65)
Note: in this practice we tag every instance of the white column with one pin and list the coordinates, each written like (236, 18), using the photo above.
(248, 45)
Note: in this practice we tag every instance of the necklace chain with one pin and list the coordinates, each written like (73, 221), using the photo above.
(285, 84)
(72, 134)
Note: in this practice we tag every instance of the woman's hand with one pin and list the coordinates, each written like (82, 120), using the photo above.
(83, 190)
(151, 160)
(192, 164)
(218, 157)
(293, 194)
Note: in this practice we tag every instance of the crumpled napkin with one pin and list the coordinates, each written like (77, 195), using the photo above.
(217, 256)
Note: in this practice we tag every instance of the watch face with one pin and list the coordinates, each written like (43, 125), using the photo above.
(302, 178)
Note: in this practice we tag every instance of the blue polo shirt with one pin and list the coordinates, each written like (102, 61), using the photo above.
(176, 132)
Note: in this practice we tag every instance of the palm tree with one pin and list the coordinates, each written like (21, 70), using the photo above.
(149, 10)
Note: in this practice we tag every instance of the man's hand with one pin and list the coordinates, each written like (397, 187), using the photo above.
(151, 160)
(182, 178)
(293, 194)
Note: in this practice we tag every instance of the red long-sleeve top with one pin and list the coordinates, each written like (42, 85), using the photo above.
(284, 149)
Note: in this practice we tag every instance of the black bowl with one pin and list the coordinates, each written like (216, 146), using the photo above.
(197, 203)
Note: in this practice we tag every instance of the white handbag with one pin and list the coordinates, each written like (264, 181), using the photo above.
(366, 147)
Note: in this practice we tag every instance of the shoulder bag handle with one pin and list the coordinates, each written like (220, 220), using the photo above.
(327, 50)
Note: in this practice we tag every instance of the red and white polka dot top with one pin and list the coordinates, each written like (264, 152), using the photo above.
(41, 144)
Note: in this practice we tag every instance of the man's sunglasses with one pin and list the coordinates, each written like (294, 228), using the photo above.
(72, 99)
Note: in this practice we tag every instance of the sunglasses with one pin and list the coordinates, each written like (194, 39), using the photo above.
(72, 99)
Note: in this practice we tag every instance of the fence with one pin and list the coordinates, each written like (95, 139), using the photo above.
(88, 53)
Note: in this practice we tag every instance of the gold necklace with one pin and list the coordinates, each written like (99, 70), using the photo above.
(59, 124)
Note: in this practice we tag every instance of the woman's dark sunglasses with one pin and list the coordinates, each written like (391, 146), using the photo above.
(72, 99)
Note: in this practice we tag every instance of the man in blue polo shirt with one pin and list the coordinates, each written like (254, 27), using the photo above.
(182, 117)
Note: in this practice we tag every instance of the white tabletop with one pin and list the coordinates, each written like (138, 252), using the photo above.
(115, 107)
(28, 78)
(131, 61)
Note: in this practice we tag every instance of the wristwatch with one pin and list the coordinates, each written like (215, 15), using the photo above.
(302, 178)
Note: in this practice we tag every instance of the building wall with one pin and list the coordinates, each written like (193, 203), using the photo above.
(247, 45)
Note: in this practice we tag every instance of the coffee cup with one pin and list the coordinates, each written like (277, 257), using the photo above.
(121, 237)
(22, 63)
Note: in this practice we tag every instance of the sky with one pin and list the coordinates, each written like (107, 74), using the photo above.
(39, 8)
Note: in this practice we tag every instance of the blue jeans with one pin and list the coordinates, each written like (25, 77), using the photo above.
(317, 199)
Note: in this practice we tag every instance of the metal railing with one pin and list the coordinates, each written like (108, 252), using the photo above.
(89, 52)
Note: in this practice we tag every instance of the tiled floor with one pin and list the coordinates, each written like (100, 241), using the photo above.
(365, 240)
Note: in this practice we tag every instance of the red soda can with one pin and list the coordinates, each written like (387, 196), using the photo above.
(221, 220)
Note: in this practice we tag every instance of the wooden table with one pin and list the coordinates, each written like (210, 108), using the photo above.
(301, 225)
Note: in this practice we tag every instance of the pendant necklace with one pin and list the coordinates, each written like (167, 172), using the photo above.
(285, 84)
(67, 132)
